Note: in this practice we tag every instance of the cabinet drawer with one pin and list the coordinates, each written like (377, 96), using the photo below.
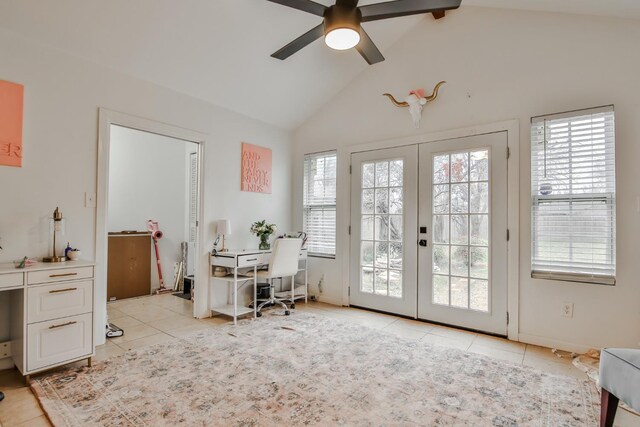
(59, 275)
(59, 341)
(11, 280)
(250, 260)
(60, 300)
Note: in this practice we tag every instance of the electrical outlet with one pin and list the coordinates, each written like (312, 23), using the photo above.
(89, 200)
(566, 309)
(5, 349)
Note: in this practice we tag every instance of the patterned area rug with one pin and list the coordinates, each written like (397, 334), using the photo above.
(310, 370)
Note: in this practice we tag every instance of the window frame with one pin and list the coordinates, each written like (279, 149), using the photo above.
(307, 208)
(608, 197)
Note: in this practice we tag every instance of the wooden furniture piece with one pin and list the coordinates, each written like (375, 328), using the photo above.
(129, 265)
(51, 319)
(240, 262)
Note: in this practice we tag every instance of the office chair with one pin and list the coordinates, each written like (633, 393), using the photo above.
(283, 263)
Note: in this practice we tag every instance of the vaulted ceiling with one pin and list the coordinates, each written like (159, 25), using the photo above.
(218, 50)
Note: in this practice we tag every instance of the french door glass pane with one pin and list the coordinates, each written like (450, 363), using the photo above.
(381, 234)
(440, 229)
(460, 249)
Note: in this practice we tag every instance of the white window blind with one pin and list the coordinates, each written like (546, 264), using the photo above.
(573, 196)
(320, 203)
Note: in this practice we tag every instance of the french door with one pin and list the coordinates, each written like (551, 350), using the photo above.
(462, 270)
(429, 228)
(384, 225)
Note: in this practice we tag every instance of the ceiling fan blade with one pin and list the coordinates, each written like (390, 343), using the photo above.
(347, 3)
(303, 5)
(302, 41)
(393, 9)
(368, 49)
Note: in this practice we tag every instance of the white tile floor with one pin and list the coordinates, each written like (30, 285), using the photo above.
(164, 318)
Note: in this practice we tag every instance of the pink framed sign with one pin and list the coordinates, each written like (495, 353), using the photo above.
(11, 103)
(256, 169)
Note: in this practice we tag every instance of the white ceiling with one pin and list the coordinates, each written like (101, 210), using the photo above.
(218, 50)
(616, 8)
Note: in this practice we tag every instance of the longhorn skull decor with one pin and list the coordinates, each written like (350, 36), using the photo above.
(416, 102)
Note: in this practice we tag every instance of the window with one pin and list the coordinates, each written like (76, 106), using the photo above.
(573, 196)
(319, 201)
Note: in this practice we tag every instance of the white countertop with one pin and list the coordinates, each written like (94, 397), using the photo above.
(10, 268)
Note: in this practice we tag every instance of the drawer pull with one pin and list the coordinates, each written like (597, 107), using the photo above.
(56, 291)
(63, 275)
(253, 259)
(63, 324)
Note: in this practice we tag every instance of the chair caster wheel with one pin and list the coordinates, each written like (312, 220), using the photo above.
(287, 312)
(258, 314)
(293, 306)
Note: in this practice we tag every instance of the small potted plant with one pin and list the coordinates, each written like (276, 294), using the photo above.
(263, 231)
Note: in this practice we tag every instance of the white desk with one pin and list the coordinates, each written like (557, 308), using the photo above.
(246, 260)
(51, 319)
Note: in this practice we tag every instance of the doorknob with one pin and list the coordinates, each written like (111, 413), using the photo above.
(422, 242)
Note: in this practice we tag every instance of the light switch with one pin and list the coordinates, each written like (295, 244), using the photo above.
(89, 200)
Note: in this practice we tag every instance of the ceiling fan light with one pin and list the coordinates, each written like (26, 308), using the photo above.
(342, 38)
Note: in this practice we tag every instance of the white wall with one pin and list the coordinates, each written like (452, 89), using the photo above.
(62, 97)
(148, 179)
(501, 65)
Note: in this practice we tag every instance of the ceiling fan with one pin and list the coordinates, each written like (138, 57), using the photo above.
(341, 25)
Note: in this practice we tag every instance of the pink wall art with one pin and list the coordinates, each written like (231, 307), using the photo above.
(11, 103)
(256, 169)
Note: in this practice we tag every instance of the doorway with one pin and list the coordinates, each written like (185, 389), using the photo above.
(151, 214)
(107, 122)
(429, 231)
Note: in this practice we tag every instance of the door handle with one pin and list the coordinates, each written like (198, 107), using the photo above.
(422, 242)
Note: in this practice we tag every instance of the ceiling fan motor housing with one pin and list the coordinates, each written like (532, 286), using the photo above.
(338, 16)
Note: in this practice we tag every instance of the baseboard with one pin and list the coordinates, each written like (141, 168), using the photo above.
(551, 343)
(6, 363)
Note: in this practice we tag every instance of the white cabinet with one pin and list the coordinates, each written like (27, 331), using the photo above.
(59, 300)
(51, 317)
(53, 342)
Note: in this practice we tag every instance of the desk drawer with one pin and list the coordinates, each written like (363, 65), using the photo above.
(251, 260)
(59, 275)
(223, 261)
(59, 341)
(61, 300)
(11, 280)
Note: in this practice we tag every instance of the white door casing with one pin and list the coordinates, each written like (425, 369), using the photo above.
(382, 277)
(512, 130)
(107, 118)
